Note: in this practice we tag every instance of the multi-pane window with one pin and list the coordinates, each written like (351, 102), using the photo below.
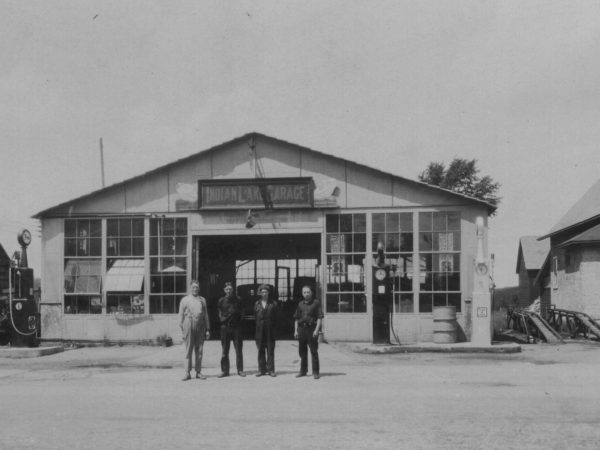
(125, 237)
(346, 239)
(83, 266)
(125, 265)
(439, 260)
(395, 232)
(168, 263)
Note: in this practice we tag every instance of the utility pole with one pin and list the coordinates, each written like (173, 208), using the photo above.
(102, 161)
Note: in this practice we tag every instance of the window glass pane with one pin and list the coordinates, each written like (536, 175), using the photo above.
(181, 245)
(360, 242)
(125, 246)
(454, 221)
(425, 242)
(71, 247)
(169, 304)
(454, 300)
(406, 221)
(112, 227)
(332, 223)
(425, 221)
(406, 242)
(83, 228)
(155, 304)
(377, 238)
(168, 226)
(403, 303)
(439, 221)
(439, 300)
(391, 222)
(346, 223)
(332, 303)
(378, 222)
(138, 246)
(155, 284)
(392, 242)
(181, 226)
(125, 227)
(70, 228)
(360, 223)
(454, 281)
(95, 247)
(425, 303)
(137, 227)
(360, 303)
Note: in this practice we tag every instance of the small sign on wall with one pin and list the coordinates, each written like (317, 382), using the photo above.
(482, 311)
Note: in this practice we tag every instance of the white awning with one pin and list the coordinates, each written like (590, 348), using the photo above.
(125, 275)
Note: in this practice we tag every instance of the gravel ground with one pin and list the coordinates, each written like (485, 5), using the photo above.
(545, 397)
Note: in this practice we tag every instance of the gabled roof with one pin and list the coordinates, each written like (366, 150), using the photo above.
(3, 255)
(491, 208)
(532, 252)
(586, 209)
(590, 236)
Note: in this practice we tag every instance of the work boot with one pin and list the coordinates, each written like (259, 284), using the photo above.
(200, 376)
(186, 377)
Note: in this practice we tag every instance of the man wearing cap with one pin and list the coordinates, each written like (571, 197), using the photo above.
(266, 322)
(230, 316)
(307, 325)
(195, 327)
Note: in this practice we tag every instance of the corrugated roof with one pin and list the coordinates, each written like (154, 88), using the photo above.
(588, 236)
(491, 208)
(587, 208)
(534, 252)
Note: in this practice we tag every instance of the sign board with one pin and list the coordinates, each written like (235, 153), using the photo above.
(256, 193)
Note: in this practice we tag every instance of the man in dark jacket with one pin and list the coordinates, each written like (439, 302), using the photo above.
(308, 318)
(266, 311)
(230, 316)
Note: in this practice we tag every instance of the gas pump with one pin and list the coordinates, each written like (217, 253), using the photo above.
(22, 308)
(382, 298)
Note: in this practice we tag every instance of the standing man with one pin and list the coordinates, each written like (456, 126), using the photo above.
(195, 327)
(230, 316)
(266, 323)
(309, 315)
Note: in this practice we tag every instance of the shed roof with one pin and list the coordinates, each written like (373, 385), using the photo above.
(586, 209)
(532, 252)
(490, 208)
(589, 236)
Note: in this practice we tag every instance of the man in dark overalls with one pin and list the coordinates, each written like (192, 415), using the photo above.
(309, 315)
(266, 310)
(230, 316)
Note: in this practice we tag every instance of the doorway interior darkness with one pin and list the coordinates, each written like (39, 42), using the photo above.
(283, 261)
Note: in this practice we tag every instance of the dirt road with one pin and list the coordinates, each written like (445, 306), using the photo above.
(132, 397)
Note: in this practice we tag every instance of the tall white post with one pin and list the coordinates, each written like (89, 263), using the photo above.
(482, 299)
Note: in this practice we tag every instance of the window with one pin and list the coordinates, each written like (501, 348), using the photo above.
(125, 237)
(395, 232)
(168, 263)
(83, 266)
(439, 260)
(346, 242)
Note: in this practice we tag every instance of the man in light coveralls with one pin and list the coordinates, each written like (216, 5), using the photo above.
(195, 327)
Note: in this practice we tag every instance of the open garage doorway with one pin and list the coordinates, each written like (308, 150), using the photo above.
(285, 261)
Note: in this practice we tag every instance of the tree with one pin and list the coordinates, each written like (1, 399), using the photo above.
(462, 176)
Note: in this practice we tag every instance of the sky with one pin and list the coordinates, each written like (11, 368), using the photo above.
(390, 84)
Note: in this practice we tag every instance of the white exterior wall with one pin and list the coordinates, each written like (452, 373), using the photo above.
(355, 189)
